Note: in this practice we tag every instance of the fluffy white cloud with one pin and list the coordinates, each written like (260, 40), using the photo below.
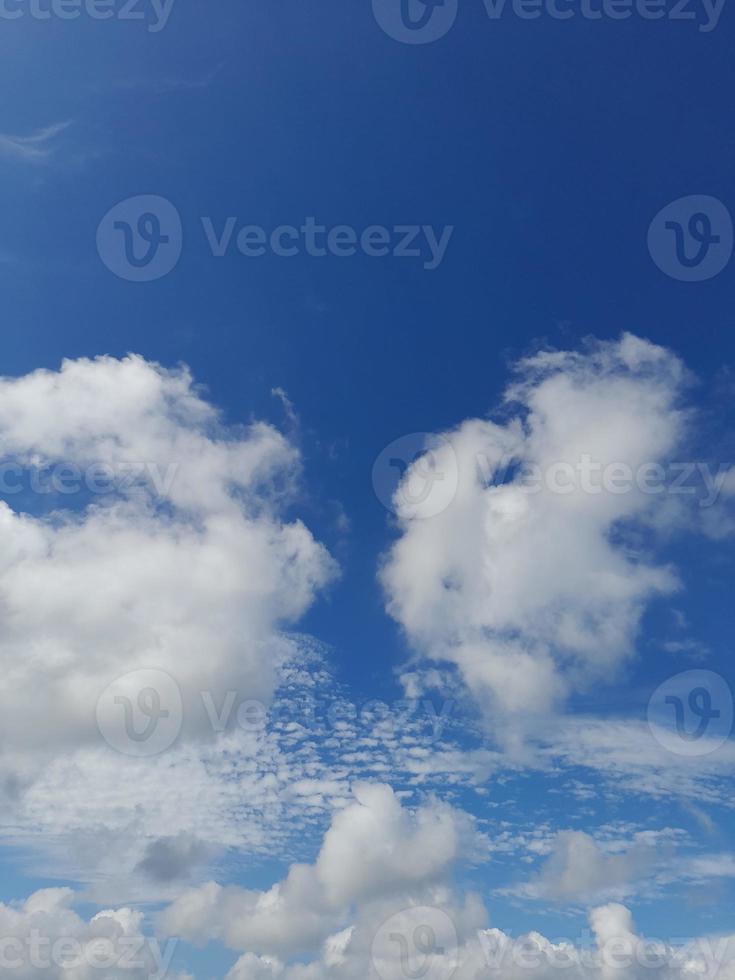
(139, 829)
(490, 954)
(187, 566)
(434, 934)
(251, 967)
(375, 846)
(373, 849)
(617, 951)
(528, 581)
(579, 868)
(43, 937)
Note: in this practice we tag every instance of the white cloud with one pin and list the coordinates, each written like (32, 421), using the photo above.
(528, 581)
(434, 933)
(626, 754)
(579, 868)
(373, 849)
(34, 148)
(195, 576)
(96, 817)
(43, 937)
(375, 846)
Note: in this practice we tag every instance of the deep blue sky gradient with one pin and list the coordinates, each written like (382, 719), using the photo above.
(549, 146)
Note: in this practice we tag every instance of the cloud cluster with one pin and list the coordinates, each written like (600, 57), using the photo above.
(187, 566)
(373, 849)
(459, 946)
(44, 937)
(579, 868)
(530, 580)
(379, 903)
(626, 754)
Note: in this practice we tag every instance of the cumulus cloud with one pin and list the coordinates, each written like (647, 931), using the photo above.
(186, 566)
(433, 932)
(529, 580)
(464, 949)
(617, 950)
(44, 937)
(579, 868)
(373, 850)
(113, 821)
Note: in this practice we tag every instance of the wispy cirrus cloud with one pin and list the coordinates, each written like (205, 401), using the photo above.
(36, 147)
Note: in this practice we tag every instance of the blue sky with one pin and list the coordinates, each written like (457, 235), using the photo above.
(544, 149)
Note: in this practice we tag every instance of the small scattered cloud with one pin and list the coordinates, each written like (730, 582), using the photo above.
(37, 147)
(174, 858)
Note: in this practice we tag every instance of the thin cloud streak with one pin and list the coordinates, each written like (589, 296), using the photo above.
(34, 148)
